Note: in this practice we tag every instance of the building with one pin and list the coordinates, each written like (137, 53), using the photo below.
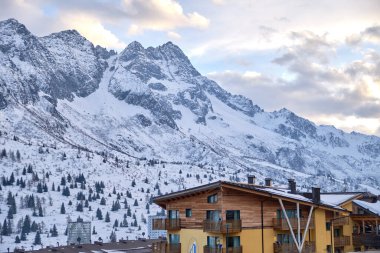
(79, 232)
(234, 217)
(154, 233)
(359, 231)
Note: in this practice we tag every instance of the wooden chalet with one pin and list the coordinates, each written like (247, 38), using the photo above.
(230, 217)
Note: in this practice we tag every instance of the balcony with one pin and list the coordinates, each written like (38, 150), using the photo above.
(309, 247)
(233, 226)
(238, 249)
(370, 240)
(281, 224)
(341, 221)
(166, 224)
(342, 241)
(164, 247)
(208, 249)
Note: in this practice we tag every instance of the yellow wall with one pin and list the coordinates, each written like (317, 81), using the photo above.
(321, 239)
(348, 229)
(250, 240)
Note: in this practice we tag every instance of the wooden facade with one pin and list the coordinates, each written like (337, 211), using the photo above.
(239, 212)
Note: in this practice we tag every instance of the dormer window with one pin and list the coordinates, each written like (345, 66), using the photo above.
(212, 198)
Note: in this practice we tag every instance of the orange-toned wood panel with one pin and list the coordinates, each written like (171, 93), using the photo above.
(250, 207)
(198, 204)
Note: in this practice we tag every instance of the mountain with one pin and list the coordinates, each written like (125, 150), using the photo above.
(71, 107)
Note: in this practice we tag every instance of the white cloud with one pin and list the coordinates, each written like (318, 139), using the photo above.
(93, 30)
(174, 35)
(162, 15)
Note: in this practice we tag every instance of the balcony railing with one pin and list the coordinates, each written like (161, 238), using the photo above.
(233, 226)
(341, 221)
(308, 247)
(342, 241)
(281, 224)
(166, 224)
(370, 240)
(208, 249)
(164, 247)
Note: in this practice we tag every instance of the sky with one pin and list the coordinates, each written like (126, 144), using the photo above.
(319, 59)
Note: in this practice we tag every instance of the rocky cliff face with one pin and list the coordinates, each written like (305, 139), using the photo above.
(152, 103)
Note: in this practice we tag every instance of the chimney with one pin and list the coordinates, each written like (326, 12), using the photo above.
(251, 179)
(268, 182)
(292, 186)
(316, 194)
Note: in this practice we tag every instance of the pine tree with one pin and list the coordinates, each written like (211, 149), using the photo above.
(116, 223)
(136, 203)
(26, 225)
(103, 201)
(23, 235)
(79, 207)
(17, 240)
(107, 217)
(113, 236)
(93, 230)
(63, 210)
(37, 239)
(34, 227)
(4, 230)
(40, 212)
(54, 232)
(99, 214)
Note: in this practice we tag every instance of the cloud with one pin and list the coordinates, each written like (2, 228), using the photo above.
(162, 15)
(93, 30)
(313, 86)
(174, 35)
(371, 34)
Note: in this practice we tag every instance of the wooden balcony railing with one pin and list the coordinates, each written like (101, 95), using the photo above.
(208, 249)
(342, 241)
(341, 221)
(164, 247)
(166, 224)
(281, 224)
(309, 247)
(370, 240)
(233, 226)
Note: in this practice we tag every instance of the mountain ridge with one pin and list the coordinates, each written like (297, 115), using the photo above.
(152, 102)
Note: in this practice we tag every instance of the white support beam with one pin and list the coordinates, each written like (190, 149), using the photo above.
(307, 226)
(290, 226)
(299, 223)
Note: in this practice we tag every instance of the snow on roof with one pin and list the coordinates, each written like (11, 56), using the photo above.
(372, 207)
(338, 198)
(286, 194)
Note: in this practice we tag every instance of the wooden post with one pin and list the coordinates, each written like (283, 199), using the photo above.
(377, 227)
(363, 226)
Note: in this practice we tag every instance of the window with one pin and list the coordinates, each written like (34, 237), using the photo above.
(212, 199)
(328, 226)
(174, 239)
(188, 213)
(173, 214)
(289, 213)
(337, 232)
(233, 241)
(233, 215)
(213, 215)
(213, 241)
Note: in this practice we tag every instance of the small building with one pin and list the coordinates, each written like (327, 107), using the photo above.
(152, 233)
(79, 232)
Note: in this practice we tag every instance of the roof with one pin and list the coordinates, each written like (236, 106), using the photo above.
(371, 207)
(132, 246)
(339, 198)
(255, 189)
